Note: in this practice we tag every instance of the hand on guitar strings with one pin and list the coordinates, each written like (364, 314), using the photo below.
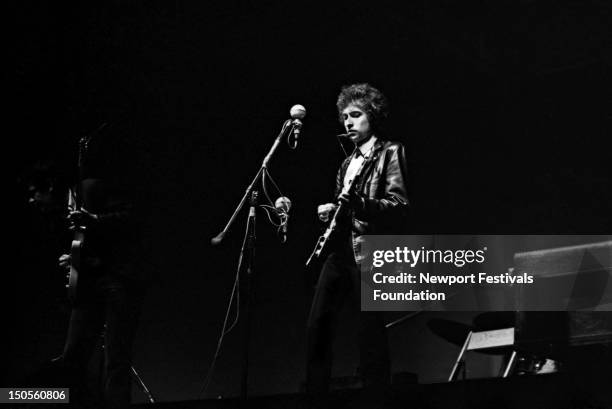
(352, 200)
(81, 218)
(65, 260)
(324, 210)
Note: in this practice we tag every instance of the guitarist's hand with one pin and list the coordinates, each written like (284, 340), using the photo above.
(81, 218)
(324, 210)
(352, 200)
(65, 260)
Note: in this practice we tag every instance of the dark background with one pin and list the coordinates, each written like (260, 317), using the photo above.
(505, 108)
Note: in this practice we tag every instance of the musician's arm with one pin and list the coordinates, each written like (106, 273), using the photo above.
(324, 210)
(116, 214)
(114, 208)
(339, 182)
(395, 199)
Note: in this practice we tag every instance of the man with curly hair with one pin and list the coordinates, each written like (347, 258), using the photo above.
(378, 205)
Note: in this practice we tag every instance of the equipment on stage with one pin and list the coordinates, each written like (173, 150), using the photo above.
(282, 206)
(76, 250)
(75, 203)
(78, 276)
(341, 219)
(581, 276)
(498, 338)
(133, 372)
(245, 270)
(297, 112)
(291, 128)
(451, 331)
(538, 342)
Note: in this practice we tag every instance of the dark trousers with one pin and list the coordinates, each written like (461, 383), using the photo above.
(339, 282)
(111, 309)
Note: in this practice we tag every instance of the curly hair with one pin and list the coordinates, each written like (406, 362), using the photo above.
(367, 98)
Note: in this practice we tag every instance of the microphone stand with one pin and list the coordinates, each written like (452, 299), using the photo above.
(264, 166)
(248, 252)
(248, 249)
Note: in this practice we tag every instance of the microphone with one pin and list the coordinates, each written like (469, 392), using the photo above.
(297, 112)
(282, 205)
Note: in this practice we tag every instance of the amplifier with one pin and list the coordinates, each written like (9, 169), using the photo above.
(578, 278)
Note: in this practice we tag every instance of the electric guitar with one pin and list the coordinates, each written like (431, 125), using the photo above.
(76, 253)
(338, 221)
(75, 202)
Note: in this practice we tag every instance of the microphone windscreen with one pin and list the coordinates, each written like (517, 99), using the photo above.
(283, 203)
(297, 111)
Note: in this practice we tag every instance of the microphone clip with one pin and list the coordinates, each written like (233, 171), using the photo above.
(294, 133)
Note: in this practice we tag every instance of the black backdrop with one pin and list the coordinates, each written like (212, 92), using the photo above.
(505, 109)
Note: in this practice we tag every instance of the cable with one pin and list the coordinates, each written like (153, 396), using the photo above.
(264, 186)
(275, 185)
(268, 210)
(236, 287)
(284, 219)
(224, 332)
(281, 213)
(292, 145)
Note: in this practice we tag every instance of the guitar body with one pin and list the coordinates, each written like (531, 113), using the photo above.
(75, 202)
(76, 265)
(77, 258)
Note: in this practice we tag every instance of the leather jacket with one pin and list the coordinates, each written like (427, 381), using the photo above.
(382, 191)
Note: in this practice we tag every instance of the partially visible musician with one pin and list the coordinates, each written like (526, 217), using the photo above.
(378, 205)
(110, 293)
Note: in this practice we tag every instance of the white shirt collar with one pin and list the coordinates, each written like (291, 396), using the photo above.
(367, 146)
